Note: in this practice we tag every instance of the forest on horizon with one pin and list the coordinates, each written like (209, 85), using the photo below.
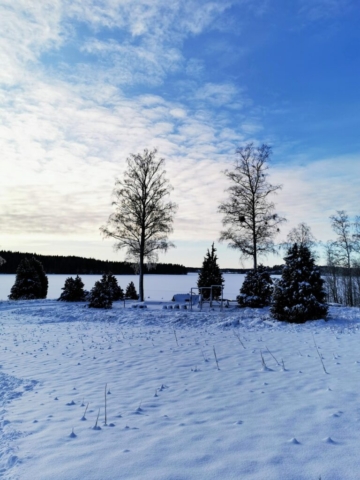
(70, 265)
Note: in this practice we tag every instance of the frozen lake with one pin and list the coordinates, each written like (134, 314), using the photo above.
(157, 287)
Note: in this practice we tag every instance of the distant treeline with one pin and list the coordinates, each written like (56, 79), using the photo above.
(83, 266)
(275, 270)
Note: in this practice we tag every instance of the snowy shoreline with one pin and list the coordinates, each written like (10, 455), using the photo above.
(175, 415)
(157, 287)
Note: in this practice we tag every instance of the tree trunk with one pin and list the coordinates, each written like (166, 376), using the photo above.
(254, 233)
(141, 265)
(141, 279)
(255, 256)
(350, 283)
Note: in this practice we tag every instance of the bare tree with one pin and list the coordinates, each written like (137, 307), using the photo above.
(332, 278)
(346, 244)
(248, 212)
(302, 235)
(143, 217)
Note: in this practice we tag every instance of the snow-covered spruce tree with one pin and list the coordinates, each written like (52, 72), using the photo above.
(299, 295)
(131, 292)
(100, 295)
(257, 289)
(116, 291)
(73, 290)
(31, 281)
(210, 274)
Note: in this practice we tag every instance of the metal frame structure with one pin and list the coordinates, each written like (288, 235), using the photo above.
(200, 289)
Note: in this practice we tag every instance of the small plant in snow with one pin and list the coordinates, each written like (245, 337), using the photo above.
(217, 363)
(96, 426)
(83, 418)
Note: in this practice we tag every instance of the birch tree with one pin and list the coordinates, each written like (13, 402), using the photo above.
(249, 212)
(143, 216)
(345, 247)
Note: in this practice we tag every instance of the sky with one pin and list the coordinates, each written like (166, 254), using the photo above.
(85, 83)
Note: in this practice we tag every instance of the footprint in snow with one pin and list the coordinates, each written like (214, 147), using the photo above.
(336, 414)
(329, 440)
(12, 461)
(294, 441)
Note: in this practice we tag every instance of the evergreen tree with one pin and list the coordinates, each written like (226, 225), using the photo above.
(299, 295)
(257, 289)
(131, 292)
(100, 295)
(210, 274)
(73, 290)
(30, 282)
(42, 276)
(116, 291)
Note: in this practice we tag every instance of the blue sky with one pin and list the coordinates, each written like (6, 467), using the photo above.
(83, 83)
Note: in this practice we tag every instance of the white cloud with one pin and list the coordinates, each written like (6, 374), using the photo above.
(315, 10)
(219, 94)
(27, 30)
(312, 192)
(62, 149)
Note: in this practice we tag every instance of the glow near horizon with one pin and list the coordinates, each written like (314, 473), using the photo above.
(84, 84)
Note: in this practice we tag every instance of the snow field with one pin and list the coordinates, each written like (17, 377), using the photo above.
(175, 415)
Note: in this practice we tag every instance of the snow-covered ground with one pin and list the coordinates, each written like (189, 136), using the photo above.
(171, 412)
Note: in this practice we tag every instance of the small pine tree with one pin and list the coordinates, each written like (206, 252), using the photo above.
(210, 274)
(116, 290)
(31, 281)
(299, 295)
(131, 292)
(257, 289)
(100, 295)
(73, 290)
